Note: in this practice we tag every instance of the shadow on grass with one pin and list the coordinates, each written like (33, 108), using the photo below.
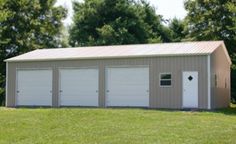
(227, 111)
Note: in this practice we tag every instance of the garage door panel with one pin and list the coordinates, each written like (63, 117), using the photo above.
(127, 96)
(29, 102)
(34, 87)
(79, 87)
(126, 102)
(127, 86)
(132, 88)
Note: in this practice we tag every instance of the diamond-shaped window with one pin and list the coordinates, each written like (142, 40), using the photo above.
(190, 78)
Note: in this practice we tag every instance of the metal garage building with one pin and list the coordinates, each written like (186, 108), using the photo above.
(173, 75)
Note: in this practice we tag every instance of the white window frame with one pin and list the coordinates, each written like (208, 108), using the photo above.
(166, 73)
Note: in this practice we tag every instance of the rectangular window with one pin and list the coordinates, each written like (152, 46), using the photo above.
(165, 79)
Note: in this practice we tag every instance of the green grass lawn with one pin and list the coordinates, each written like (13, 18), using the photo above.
(121, 126)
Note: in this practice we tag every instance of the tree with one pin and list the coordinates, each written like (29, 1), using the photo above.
(214, 20)
(26, 25)
(177, 30)
(106, 22)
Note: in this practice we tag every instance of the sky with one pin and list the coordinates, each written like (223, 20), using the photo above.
(167, 8)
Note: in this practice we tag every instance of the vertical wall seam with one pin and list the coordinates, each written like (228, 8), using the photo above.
(209, 81)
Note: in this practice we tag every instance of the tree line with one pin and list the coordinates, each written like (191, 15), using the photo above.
(26, 25)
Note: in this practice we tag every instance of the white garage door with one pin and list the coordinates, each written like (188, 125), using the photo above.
(127, 86)
(79, 87)
(34, 88)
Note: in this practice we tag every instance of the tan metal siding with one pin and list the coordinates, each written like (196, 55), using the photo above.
(55, 88)
(11, 85)
(160, 97)
(167, 97)
(102, 85)
(220, 93)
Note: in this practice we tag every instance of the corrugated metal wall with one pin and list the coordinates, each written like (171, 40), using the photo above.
(160, 97)
(220, 79)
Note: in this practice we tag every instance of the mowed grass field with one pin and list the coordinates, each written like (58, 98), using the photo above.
(116, 125)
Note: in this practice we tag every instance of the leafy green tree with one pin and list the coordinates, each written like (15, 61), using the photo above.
(214, 20)
(106, 22)
(177, 30)
(26, 25)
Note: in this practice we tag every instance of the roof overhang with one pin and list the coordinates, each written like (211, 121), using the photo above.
(107, 57)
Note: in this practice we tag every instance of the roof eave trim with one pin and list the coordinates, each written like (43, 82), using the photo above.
(107, 57)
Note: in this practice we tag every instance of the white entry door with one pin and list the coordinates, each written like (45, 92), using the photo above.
(78, 87)
(34, 88)
(190, 89)
(128, 86)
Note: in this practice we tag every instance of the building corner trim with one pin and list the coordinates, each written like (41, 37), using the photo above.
(209, 82)
(6, 87)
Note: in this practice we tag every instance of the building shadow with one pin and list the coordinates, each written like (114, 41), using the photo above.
(227, 111)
